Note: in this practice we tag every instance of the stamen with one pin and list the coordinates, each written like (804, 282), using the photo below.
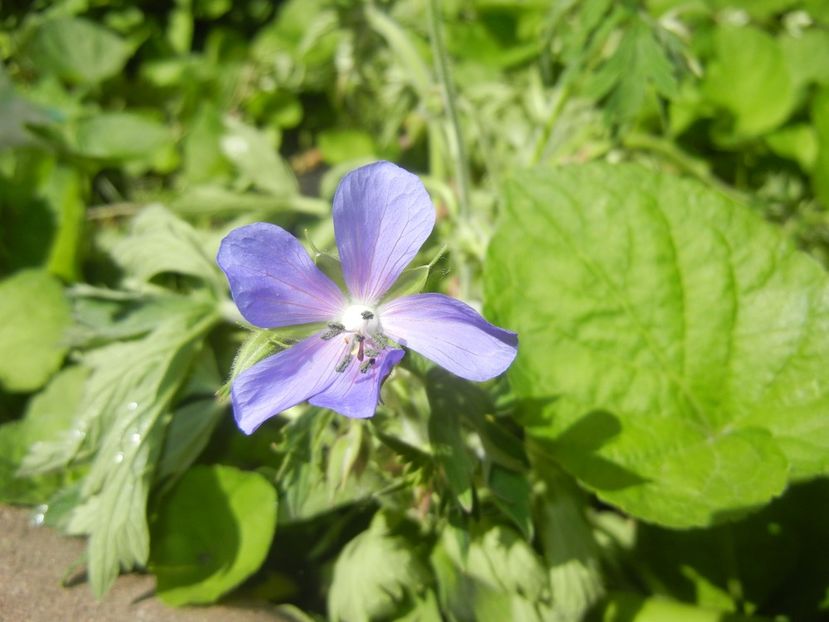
(367, 315)
(334, 329)
(343, 364)
(367, 365)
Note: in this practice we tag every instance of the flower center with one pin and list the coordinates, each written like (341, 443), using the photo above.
(361, 319)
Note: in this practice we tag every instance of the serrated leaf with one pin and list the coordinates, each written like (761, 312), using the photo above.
(161, 242)
(34, 316)
(673, 345)
(375, 575)
(119, 421)
(497, 576)
(639, 64)
(78, 50)
(212, 532)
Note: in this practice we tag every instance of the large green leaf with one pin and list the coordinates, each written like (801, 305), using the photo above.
(33, 318)
(213, 531)
(78, 50)
(673, 346)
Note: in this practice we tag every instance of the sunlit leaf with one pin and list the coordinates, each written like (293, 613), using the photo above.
(680, 368)
(213, 531)
(748, 77)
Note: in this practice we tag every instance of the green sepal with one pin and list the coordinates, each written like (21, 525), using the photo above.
(260, 344)
(328, 264)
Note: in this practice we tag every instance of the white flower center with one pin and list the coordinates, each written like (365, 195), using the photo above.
(361, 319)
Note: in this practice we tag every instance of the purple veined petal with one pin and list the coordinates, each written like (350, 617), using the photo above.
(382, 216)
(272, 279)
(355, 394)
(450, 333)
(284, 380)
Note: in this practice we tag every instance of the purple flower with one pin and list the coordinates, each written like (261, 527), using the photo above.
(382, 216)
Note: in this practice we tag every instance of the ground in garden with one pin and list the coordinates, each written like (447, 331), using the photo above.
(33, 561)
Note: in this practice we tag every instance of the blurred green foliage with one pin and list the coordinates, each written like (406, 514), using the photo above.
(657, 451)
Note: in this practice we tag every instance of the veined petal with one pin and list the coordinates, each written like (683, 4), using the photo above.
(272, 279)
(382, 216)
(450, 333)
(355, 394)
(284, 380)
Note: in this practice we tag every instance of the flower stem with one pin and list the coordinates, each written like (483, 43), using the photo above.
(455, 139)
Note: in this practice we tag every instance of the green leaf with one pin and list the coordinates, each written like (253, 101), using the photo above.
(213, 200)
(496, 576)
(807, 57)
(512, 494)
(630, 607)
(131, 386)
(78, 50)
(375, 576)
(748, 77)
(203, 158)
(161, 242)
(121, 136)
(34, 317)
(411, 281)
(639, 64)
(820, 121)
(256, 157)
(48, 412)
(64, 193)
(447, 400)
(673, 345)
(212, 532)
(341, 145)
(796, 142)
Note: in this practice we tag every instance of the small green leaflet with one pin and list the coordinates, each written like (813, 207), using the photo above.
(639, 63)
(674, 347)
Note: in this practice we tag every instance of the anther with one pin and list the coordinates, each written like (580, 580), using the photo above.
(334, 329)
(367, 365)
(343, 364)
(367, 315)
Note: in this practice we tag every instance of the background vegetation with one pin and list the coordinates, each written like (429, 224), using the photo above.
(639, 189)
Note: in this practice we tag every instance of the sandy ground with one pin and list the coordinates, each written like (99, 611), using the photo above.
(33, 561)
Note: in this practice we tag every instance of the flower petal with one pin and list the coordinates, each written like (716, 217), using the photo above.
(273, 280)
(355, 394)
(450, 333)
(284, 380)
(382, 216)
